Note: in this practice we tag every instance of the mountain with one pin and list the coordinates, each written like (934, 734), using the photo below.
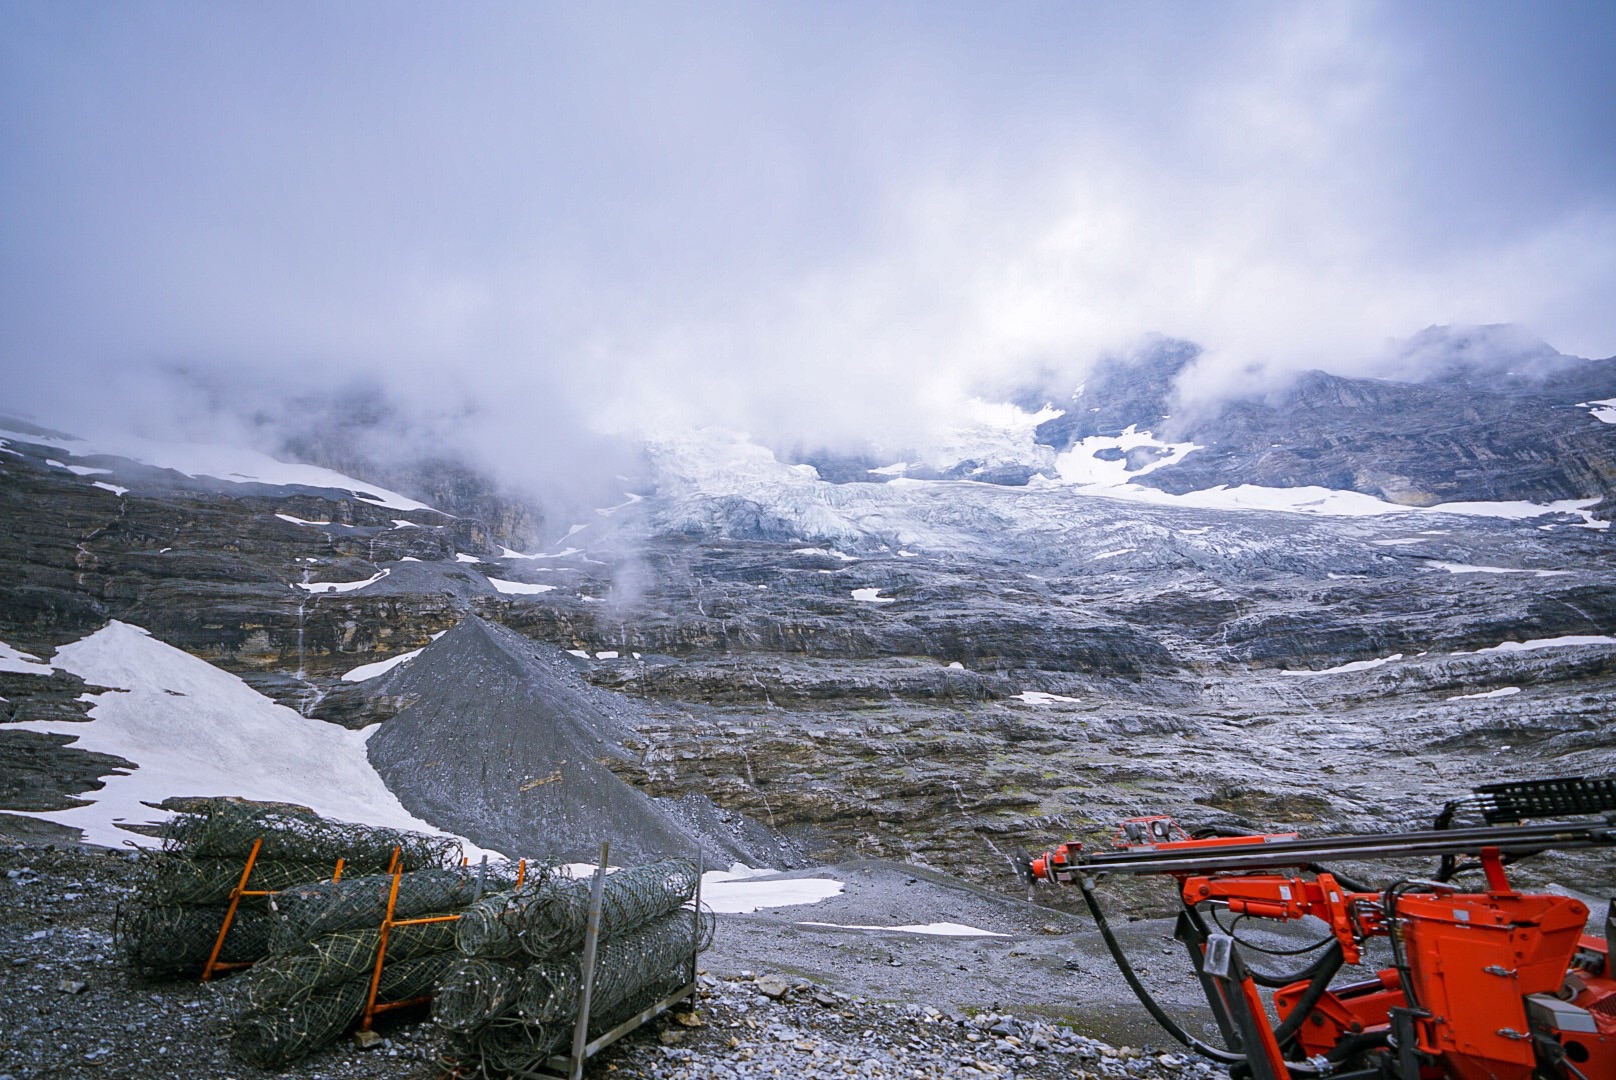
(1131, 608)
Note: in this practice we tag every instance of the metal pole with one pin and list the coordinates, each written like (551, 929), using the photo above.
(580, 1031)
(695, 921)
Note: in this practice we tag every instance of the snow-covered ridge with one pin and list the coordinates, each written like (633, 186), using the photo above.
(232, 464)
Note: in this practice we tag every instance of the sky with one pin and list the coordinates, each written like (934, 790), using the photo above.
(526, 225)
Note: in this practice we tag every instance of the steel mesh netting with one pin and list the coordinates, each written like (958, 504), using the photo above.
(337, 958)
(325, 907)
(551, 989)
(227, 828)
(158, 941)
(513, 1047)
(551, 921)
(271, 1038)
(177, 880)
(506, 1017)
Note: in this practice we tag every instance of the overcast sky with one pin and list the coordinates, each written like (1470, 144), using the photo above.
(807, 218)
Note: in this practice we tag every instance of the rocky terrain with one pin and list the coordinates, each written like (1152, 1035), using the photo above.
(1329, 610)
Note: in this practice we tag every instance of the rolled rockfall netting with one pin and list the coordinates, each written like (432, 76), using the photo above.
(168, 940)
(176, 880)
(227, 828)
(551, 921)
(512, 1046)
(474, 992)
(271, 1038)
(325, 907)
(624, 966)
(338, 958)
(483, 929)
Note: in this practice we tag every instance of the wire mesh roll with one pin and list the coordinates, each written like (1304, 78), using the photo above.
(337, 958)
(511, 1046)
(166, 940)
(177, 880)
(326, 907)
(473, 992)
(552, 921)
(226, 828)
(624, 966)
(271, 1038)
(484, 931)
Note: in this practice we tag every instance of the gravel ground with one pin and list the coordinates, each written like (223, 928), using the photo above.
(67, 1009)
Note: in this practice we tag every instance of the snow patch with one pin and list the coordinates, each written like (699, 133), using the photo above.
(1467, 568)
(462, 557)
(1079, 465)
(908, 554)
(404, 523)
(85, 470)
(1356, 665)
(193, 729)
(22, 663)
(518, 588)
(607, 654)
(937, 929)
(1038, 697)
(738, 890)
(1604, 411)
(872, 596)
(1505, 691)
(339, 586)
(380, 667)
(829, 553)
(303, 521)
(1534, 644)
(507, 553)
(1110, 554)
(114, 488)
(579, 653)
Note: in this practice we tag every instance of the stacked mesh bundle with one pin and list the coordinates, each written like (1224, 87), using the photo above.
(227, 828)
(272, 1038)
(552, 921)
(505, 1009)
(160, 941)
(181, 904)
(338, 958)
(325, 907)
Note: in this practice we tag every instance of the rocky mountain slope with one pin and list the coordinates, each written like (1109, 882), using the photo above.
(1338, 631)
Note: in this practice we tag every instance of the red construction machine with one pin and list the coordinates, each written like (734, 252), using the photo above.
(1485, 983)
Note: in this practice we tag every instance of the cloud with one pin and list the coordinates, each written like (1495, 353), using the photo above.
(529, 226)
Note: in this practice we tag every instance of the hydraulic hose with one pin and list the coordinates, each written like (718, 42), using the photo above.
(1168, 1024)
(1328, 965)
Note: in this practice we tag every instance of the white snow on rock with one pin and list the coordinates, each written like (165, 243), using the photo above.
(85, 470)
(22, 663)
(937, 929)
(1543, 643)
(233, 464)
(741, 890)
(1604, 411)
(518, 588)
(1110, 554)
(193, 729)
(1038, 697)
(829, 553)
(462, 557)
(303, 521)
(380, 667)
(606, 654)
(404, 523)
(1467, 568)
(1505, 691)
(1078, 465)
(579, 653)
(1356, 665)
(114, 488)
(339, 586)
(872, 596)
(507, 553)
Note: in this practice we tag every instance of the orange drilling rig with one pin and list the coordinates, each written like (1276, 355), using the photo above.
(1485, 983)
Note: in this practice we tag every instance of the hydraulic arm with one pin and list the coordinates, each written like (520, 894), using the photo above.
(1485, 983)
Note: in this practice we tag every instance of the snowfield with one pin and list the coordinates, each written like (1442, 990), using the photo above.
(193, 729)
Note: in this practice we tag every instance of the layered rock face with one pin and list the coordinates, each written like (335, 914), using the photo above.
(917, 669)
